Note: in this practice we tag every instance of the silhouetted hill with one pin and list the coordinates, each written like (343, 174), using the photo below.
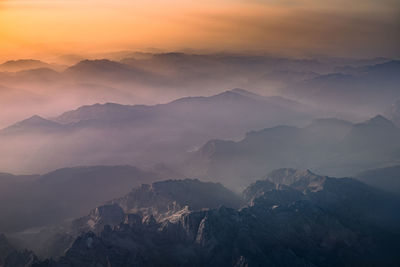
(174, 128)
(358, 90)
(34, 124)
(385, 178)
(107, 71)
(64, 193)
(23, 64)
(333, 146)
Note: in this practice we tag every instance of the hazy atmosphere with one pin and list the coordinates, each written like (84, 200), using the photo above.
(210, 133)
(61, 30)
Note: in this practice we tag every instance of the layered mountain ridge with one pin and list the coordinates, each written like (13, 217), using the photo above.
(332, 146)
(286, 221)
(174, 128)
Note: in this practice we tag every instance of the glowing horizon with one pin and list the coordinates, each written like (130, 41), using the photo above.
(46, 29)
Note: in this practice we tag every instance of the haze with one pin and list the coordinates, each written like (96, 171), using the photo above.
(199, 133)
(48, 29)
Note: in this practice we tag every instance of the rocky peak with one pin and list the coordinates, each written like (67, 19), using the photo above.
(167, 197)
(299, 179)
(111, 214)
(378, 121)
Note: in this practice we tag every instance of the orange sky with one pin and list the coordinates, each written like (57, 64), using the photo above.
(49, 28)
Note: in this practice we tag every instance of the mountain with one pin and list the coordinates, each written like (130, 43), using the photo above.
(238, 98)
(355, 90)
(377, 133)
(38, 75)
(393, 112)
(300, 180)
(385, 178)
(167, 197)
(107, 71)
(337, 147)
(174, 128)
(5, 249)
(10, 257)
(23, 64)
(34, 124)
(290, 224)
(65, 193)
(90, 67)
(106, 112)
(160, 201)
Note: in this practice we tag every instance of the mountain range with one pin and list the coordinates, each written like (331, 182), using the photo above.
(104, 134)
(352, 88)
(336, 147)
(158, 78)
(37, 200)
(288, 218)
(385, 178)
(222, 177)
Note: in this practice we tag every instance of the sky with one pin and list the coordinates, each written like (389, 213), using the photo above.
(51, 28)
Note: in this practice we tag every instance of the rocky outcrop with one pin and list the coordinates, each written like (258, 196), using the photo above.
(288, 222)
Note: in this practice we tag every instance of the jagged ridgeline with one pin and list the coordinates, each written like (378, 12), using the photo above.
(217, 133)
(287, 218)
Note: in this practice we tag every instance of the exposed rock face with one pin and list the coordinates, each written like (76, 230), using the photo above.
(292, 218)
(167, 197)
(111, 214)
(300, 180)
(165, 201)
(159, 201)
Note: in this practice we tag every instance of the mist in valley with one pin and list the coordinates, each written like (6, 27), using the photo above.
(215, 133)
(77, 137)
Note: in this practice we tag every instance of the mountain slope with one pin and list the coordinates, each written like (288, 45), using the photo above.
(355, 91)
(22, 64)
(385, 178)
(65, 193)
(34, 124)
(336, 147)
(10, 257)
(120, 134)
(160, 201)
(282, 225)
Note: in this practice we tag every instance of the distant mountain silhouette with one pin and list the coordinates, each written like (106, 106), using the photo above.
(34, 124)
(174, 128)
(23, 64)
(385, 178)
(107, 70)
(38, 75)
(330, 145)
(357, 91)
(69, 192)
